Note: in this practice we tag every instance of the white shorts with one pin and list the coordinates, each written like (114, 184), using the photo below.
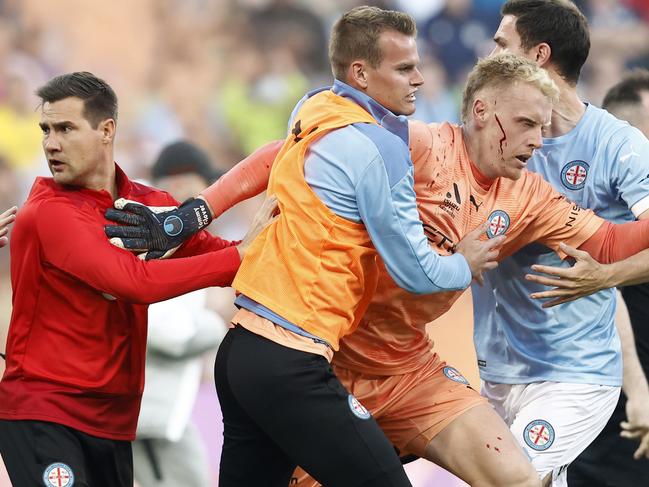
(553, 421)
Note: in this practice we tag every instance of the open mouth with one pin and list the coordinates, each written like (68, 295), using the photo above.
(524, 158)
(56, 164)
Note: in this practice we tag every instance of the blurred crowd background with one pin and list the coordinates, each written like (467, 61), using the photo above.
(225, 74)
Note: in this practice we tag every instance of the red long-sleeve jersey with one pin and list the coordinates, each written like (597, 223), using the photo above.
(77, 337)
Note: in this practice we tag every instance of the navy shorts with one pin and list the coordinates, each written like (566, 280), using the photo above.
(39, 453)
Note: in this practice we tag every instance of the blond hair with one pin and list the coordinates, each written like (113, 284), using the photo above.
(502, 70)
(356, 35)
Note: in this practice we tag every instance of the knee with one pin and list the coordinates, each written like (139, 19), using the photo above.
(520, 474)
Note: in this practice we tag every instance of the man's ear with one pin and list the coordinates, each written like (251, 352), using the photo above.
(107, 129)
(357, 74)
(542, 54)
(480, 112)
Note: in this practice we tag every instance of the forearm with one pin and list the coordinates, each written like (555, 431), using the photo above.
(392, 220)
(245, 180)
(628, 272)
(143, 282)
(90, 258)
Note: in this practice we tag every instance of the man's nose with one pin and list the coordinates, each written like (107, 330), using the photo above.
(418, 78)
(52, 143)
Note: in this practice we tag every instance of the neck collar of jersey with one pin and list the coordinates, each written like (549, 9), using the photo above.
(396, 124)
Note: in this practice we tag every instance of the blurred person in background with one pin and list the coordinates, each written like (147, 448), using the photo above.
(621, 40)
(611, 461)
(457, 35)
(168, 450)
(259, 93)
(435, 101)
(20, 139)
(304, 34)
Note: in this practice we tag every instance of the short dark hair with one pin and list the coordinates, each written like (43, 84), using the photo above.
(99, 99)
(558, 23)
(356, 34)
(628, 90)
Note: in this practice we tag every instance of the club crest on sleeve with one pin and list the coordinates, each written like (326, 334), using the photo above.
(454, 374)
(58, 475)
(498, 223)
(357, 408)
(539, 435)
(574, 174)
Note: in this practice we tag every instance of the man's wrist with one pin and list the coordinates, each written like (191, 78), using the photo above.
(609, 277)
(200, 211)
(207, 203)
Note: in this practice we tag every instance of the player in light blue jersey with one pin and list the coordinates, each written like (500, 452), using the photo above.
(554, 374)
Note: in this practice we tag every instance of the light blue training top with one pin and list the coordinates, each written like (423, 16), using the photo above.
(601, 164)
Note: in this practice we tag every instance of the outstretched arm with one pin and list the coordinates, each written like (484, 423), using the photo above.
(6, 218)
(245, 180)
(120, 274)
(162, 230)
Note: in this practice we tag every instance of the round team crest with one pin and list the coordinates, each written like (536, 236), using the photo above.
(574, 174)
(498, 223)
(173, 225)
(357, 408)
(454, 374)
(539, 435)
(58, 475)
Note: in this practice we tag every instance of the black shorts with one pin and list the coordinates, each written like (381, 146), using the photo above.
(38, 453)
(282, 408)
